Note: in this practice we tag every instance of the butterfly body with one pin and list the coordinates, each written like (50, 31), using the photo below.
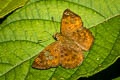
(68, 49)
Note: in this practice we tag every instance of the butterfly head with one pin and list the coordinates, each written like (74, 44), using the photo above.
(57, 36)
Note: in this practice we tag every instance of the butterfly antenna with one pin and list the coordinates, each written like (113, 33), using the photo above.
(41, 41)
(48, 32)
(55, 26)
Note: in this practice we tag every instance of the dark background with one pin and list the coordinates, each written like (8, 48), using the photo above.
(110, 73)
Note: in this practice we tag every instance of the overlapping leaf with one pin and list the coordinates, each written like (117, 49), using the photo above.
(7, 6)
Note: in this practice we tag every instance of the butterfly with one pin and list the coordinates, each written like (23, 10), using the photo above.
(67, 50)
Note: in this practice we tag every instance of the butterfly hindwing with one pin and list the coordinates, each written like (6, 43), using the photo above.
(71, 56)
(49, 57)
(83, 38)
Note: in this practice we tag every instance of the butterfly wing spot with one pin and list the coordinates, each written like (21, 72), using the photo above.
(40, 63)
(50, 57)
(66, 22)
(47, 58)
(62, 55)
(66, 54)
(37, 60)
(56, 57)
(72, 21)
(47, 53)
(66, 13)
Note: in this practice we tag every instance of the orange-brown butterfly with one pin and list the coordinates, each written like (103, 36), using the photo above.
(67, 51)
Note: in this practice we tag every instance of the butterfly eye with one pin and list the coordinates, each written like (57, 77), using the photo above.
(57, 36)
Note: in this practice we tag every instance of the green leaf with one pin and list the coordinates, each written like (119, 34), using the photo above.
(118, 78)
(7, 6)
(29, 30)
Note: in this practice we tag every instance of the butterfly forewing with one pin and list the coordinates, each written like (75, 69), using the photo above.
(70, 22)
(49, 57)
